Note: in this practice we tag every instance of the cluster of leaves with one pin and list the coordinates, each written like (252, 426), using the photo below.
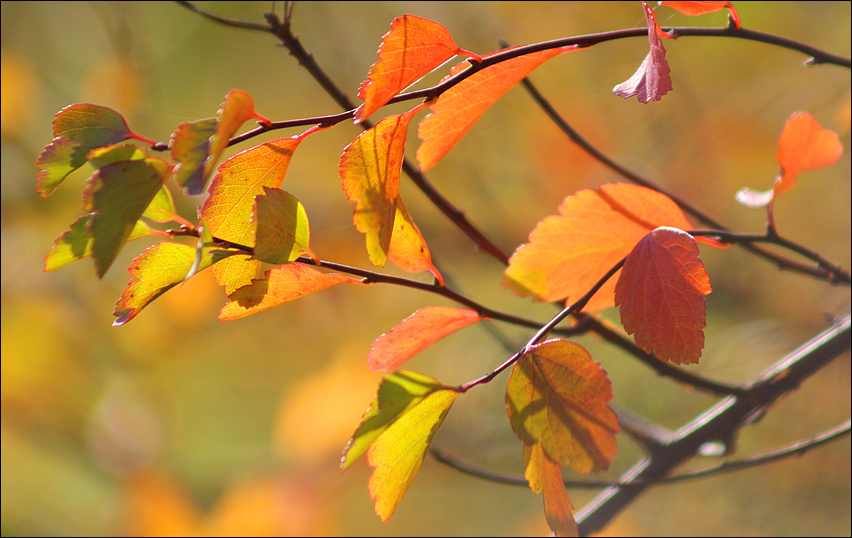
(620, 245)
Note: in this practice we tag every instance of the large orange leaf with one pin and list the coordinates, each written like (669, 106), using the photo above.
(568, 253)
(660, 295)
(803, 145)
(412, 48)
(369, 170)
(280, 285)
(545, 475)
(558, 396)
(694, 9)
(457, 109)
(416, 333)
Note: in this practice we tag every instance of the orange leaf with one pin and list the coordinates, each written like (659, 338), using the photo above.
(408, 249)
(280, 285)
(457, 109)
(568, 253)
(411, 48)
(804, 144)
(545, 475)
(416, 333)
(237, 109)
(661, 296)
(558, 396)
(369, 170)
(694, 9)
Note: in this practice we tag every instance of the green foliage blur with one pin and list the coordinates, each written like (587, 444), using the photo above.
(179, 424)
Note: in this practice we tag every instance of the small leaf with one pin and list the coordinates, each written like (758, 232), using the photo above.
(545, 475)
(282, 227)
(398, 392)
(412, 48)
(752, 198)
(457, 109)
(396, 455)
(236, 109)
(190, 148)
(694, 9)
(568, 253)
(118, 195)
(661, 296)
(75, 244)
(559, 396)
(803, 145)
(280, 285)
(369, 171)
(77, 130)
(408, 249)
(651, 81)
(416, 333)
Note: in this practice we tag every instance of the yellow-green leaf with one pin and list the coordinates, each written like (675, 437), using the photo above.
(74, 244)
(282, 227)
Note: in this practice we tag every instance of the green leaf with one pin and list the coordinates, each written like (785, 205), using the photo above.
(74, 244)
(398, 392)
(77, 130)
(282, 227)
(118, 194)
(190, 145)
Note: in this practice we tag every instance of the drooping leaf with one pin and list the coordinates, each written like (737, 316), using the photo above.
(77, 130)
(412, 48)
(118, 194)
(282, 227)
(660, 295)
(803, 145)
(558, 396)
(396, 455)
(236, 109)
(157, 270)
(280, 285)
(408, 249)
(545, 475)
(568, 253)
(651, 81)
(398, 392)
(75, 244)
(369, 171)
(190, 148)
(416, 333)
(457, 109)
(693, 9)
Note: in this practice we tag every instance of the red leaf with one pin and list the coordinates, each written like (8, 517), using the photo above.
(412, 48)
(457, 109)
(416, 333)
(661, 296)
(651, 81)
(694, 9)
(804, 144)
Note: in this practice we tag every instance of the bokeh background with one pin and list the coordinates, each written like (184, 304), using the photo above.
(179, 424)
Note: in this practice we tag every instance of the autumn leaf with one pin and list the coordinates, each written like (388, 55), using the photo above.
(568, 253)
(457, 109)
(660, 295)
(76, 244)
(190, 148)
(651, 81)
(694, 9)
(408, 249)
(280, 285)
(416, 333)
(412, 48)
(369, 170)
(77, 130)
(282, 227)
(558, 396)
(545, 475)
(118, 194)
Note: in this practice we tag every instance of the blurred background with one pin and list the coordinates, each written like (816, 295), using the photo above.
(179, 424)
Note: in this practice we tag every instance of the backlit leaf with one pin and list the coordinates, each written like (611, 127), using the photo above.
(408, 249)
(545, 475)
(396, 455)
(416, 333)
(282, 227)
(369, 170)
(280, 285)
(77, 130)
(75, 244)
(803, 145)
(660, 295)
(558, 396)
(651, 81)
(412, 48)
(190, 148)
(568, 253)
(457, 109)
(398, 392)
(118, 195)
(694, 9)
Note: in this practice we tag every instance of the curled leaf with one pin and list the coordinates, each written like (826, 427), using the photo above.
(651, 81)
